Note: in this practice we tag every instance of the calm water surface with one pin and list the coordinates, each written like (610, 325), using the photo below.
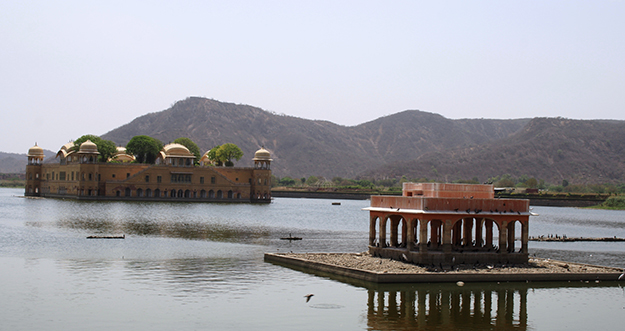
(200, 266)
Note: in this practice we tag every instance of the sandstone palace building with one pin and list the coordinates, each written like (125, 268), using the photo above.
(173, 177)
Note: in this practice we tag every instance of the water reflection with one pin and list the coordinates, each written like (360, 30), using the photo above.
(446, 307)
(171, 229)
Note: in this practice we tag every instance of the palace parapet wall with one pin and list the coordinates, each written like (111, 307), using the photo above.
(454, 205)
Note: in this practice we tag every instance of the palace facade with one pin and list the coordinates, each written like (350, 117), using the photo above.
(173, 177)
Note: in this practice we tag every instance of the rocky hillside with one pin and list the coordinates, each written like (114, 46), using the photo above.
(412, 143)
(303, 147)
(13, 163)
(553, 149)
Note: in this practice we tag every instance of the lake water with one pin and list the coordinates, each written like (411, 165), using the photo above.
(192, 266)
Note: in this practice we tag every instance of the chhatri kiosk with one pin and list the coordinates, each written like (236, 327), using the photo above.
(447, 224)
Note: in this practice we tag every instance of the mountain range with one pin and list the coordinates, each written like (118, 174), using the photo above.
(413, 143)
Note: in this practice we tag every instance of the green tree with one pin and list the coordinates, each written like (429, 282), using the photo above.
(312, 180)
(144, 148)
(228, 153)
(225, 154)
(531, 183)
(106, 148)
(287, 181)
(212, 155)
(192, 146)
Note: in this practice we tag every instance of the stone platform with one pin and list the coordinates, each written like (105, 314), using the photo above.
(364, 267)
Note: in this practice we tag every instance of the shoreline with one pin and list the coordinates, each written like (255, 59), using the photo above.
(535, 200)
(364, 267)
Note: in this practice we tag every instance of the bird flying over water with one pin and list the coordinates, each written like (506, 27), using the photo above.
(308, 296)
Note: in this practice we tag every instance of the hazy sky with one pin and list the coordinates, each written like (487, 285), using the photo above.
(69, 68)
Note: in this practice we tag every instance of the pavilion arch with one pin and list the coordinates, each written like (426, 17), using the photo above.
(475, 234)
(514, 229)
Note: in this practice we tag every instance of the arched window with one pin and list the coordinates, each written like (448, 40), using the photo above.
(139, 192)
(127, 192)
(187, 194)
(211, 194)
(148, 193)
(219, 194)
(180, 193)
(157, 193)
(230, 194)
(172, 193)
(203, 194)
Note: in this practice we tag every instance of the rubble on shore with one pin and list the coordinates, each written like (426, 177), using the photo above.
(364, 261)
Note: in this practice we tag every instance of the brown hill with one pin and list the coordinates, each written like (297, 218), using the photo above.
(302, 147)
(13, 163)
(553, 149)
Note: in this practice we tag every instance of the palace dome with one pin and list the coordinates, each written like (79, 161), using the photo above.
(88, 147)
(177, 150)
(35, 151)
(262, 155)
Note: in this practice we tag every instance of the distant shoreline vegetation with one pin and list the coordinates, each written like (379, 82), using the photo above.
(508, 184)
(612, 203)
(12, 180)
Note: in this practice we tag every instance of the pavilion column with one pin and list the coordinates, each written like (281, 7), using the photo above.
(447, 237)
(394, 226)
(382, 239)
(457, 234)
(411, 234)
(404, 232)
(524, 236)
(372, 233)
(468, 224)
(489, 233)
(435, 232)
(423, 236)
(503, 236)
(478, 232)
(511, 237)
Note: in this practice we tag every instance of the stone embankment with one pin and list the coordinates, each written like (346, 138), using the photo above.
(363, 266)
(572, 239)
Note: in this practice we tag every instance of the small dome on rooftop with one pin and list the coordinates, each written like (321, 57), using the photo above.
(177, 150)
(35, 151)
(88, 147)
(262, 155)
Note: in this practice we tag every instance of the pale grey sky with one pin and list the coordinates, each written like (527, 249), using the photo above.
(69, 68)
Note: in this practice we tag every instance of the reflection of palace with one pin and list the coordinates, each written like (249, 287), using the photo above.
(448, 224)
(79, 175)
(447, 309)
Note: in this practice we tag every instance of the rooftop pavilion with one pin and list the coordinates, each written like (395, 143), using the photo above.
(446, 224)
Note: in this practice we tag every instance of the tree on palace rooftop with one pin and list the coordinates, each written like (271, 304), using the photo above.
(144, 148)
(106, 148)
(225, 154)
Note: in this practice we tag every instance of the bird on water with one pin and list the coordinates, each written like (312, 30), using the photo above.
(622, 276)
(308, 296)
